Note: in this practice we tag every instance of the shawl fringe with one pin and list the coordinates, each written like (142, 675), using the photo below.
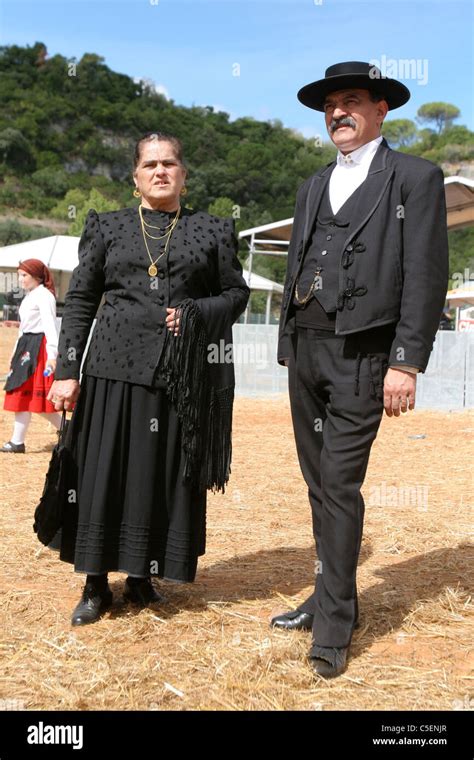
(219, 442)
(205, 412)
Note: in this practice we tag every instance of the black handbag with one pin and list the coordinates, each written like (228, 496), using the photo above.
(59, 489)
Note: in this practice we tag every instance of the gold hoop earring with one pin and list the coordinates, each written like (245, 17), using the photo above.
(137, 193)
(184, 190)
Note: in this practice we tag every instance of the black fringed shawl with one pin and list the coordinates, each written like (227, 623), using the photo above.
(204, 409)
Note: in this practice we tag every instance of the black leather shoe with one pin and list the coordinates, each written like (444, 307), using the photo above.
(295, 620)
(13, 448)
(141, 592)
(93, 603)
(328, 662)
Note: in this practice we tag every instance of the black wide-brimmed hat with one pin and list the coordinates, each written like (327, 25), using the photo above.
(354, 74)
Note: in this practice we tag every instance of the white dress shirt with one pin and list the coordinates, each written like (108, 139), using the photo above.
(349, 173)
(38, 314)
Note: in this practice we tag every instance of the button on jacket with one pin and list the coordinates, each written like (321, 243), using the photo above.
(130, 331)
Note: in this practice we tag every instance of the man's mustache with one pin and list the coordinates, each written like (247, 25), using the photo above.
(346, 121)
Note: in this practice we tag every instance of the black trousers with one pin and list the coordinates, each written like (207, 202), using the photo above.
(336, 396)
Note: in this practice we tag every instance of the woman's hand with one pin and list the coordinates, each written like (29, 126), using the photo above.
(51, 364)
(172, 320)
(63, 394)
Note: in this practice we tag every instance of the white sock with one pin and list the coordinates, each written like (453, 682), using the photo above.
(53, 417)
(22, 420)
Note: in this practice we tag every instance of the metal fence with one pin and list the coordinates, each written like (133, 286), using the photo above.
(448, 382)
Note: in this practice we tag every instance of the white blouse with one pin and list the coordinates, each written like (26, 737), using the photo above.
(38, 314)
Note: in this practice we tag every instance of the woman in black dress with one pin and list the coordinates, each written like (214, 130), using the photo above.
(151, 429)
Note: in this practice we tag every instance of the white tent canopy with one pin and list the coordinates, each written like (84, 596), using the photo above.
(261, 283)
(58, 252)
(258, 283)
(462, 296)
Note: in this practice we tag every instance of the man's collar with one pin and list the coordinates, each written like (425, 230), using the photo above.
(359, 155)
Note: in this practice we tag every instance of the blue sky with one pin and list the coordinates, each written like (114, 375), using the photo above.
(193, 48)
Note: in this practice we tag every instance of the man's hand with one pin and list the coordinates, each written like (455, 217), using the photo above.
(63, 394)
(398, 391)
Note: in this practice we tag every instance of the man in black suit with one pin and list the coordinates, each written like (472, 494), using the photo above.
(365, 287)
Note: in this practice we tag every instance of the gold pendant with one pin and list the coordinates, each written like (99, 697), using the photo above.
(152, 270)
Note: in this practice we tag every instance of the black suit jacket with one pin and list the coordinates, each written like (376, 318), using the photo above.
(130, 331)
(394, 262)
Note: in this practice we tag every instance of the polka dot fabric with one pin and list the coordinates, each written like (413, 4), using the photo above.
(112, 276)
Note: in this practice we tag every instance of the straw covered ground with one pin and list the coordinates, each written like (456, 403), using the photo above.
(210, 646)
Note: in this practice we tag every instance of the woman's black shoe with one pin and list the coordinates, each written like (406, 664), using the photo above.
(93, 603)
(13, 448)
(140, 591)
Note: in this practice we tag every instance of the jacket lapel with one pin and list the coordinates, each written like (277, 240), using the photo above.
(313, 201)
(372, 190)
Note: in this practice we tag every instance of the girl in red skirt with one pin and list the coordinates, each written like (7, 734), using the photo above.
(33, 359)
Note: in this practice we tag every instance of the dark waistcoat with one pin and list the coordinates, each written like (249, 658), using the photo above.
(323, 256)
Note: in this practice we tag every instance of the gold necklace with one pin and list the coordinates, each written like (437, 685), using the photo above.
(157, 237)
(154, 226)
(152, 269)
(169, 227)
(308, 295)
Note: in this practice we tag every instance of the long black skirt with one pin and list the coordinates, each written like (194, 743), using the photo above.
(132, 513)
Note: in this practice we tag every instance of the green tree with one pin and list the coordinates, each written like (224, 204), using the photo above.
(399, 132)
(461, 251)
(66, 209)
(442, 114)
(52, 181)
(15, 150)
(12, 232)
(222, 207)
(96, 201)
